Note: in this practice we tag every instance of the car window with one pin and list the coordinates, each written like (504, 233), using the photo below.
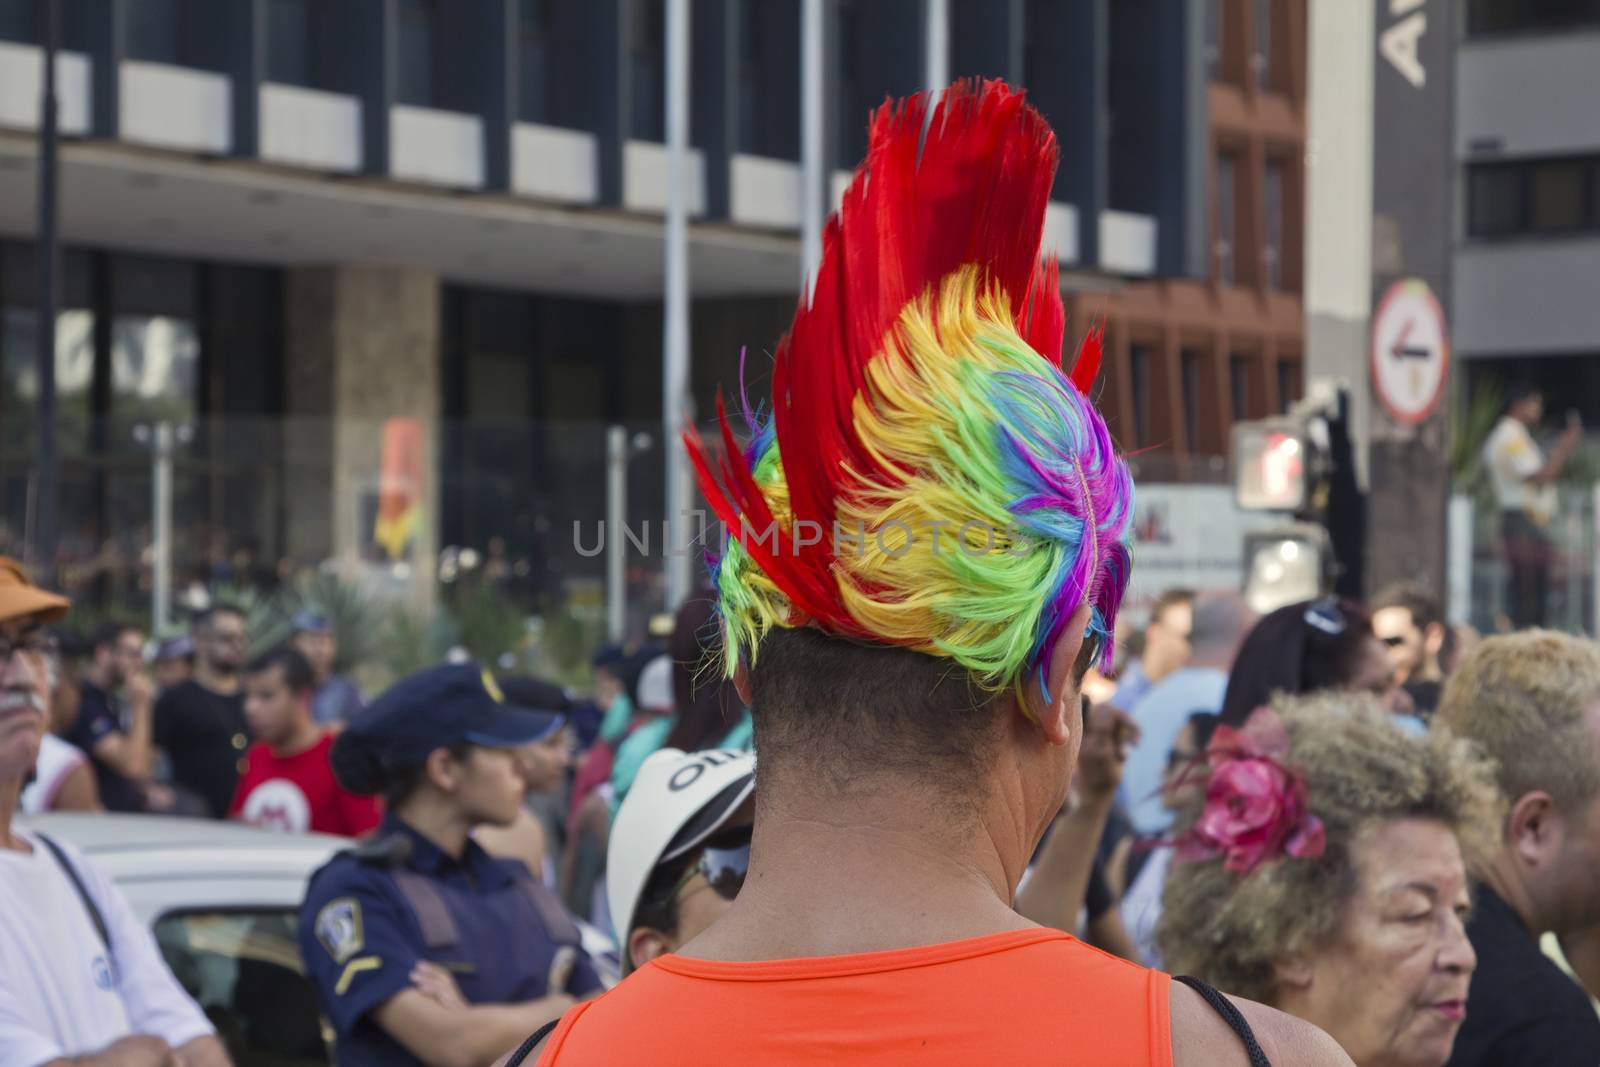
(243, 968)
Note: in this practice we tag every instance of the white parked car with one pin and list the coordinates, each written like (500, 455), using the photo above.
(222, 900)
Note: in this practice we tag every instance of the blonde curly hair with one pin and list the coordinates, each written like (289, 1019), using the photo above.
(1361, 769)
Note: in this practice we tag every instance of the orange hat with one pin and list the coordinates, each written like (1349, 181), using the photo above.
(20, 598)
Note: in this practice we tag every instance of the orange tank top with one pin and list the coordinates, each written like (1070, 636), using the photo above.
(1036, 997)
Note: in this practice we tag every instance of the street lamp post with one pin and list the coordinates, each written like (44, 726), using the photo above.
(44, 544)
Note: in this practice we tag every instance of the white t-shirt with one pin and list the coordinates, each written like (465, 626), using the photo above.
(1141, 905)
(61, 993)
(57, 759)
(1512, 457)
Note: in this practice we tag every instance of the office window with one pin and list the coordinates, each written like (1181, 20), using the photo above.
(769, 111)
(1273, 196)
(536, 55)
(155, 30)
(1227, 215)
(1532, 197)
(1494, 200)
(647, 53)
(1213, 39)
(289, 42)
(418, 57)
(1189, 368)
(1529, 16)
(1239, 386)
(17, 21)
(1288, 384)
(1560, 196)
(1261, 57)
(1139, 384)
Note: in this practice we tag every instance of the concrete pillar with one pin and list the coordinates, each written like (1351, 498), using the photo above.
(361, 347)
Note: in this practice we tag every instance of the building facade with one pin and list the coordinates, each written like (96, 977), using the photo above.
(396, 265)
(1528, 151)
(1222, 339)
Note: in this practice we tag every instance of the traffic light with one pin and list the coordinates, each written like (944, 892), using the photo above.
(1272, 464)
(1285, 565)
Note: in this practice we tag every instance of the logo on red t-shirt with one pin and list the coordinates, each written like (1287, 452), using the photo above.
(278, 804)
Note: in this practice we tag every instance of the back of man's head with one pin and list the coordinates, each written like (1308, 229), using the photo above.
(1532, 700)
(935, 497)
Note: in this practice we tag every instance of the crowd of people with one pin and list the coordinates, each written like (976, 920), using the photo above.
(987, 824)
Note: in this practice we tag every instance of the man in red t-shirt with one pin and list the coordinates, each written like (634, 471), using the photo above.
(286, 782)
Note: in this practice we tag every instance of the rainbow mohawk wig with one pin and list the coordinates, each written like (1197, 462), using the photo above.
(929, 476)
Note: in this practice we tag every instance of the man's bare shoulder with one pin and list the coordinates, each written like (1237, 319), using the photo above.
(1202, 1038)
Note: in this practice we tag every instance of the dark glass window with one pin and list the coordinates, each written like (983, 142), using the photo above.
(1288, 383)
(17, 21)
(1139, 385)
(289, 42)
(1239, 386)
(647, 53)
(155, 30)
(1273, 195)
(1261, 58)
(769, 109)
(1189, 368)
(1560, 196)
(418, 44)
(536, 57)
(1539, 196)
(1227, 215)
(1535, 16)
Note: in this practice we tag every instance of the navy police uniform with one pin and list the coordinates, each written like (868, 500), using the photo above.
(373, 912)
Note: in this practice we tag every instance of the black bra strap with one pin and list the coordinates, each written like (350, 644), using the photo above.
(1230, 1014)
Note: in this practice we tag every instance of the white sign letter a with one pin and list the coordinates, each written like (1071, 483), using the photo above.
(1399, 47)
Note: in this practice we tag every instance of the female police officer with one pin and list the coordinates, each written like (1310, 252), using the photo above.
(423, 948)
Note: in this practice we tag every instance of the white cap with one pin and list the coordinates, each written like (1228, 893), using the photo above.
(677, 802)
(655, 685)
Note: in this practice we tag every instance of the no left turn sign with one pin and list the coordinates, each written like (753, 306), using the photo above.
(1410, 351)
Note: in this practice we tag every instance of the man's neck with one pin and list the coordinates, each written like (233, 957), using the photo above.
(447, 831)
(840, 876)
(1505, 878)
(304, 738)
(10, 798)
(222, 682)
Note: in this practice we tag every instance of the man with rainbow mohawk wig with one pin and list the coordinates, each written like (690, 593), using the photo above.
(927, 545)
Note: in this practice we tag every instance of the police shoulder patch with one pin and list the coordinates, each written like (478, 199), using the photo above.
(339, 928)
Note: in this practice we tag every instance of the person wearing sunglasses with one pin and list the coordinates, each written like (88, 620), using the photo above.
(679, 849)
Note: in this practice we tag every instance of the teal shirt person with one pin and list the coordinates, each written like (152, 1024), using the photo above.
(652, 737)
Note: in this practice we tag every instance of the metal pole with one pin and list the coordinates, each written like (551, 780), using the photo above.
(936, 61)
(675, 401)
(812, 170)
(48, 470)
(615, 541)
(161, 511)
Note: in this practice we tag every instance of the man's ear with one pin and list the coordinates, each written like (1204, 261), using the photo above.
(1060, 716)
(645, 943)
(741, 682)
(1534, 828)
(1433, 638)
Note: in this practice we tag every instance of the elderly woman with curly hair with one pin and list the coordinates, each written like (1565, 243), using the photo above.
(1326, 874)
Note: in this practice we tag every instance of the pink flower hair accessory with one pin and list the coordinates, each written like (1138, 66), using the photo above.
(1256, 807)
